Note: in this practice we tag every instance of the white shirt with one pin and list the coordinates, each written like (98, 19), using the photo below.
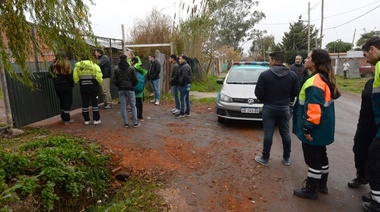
(346, 66)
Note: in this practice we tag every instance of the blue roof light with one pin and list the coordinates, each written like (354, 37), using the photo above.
(258, 63)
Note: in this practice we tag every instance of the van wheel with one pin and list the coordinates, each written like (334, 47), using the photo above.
(368, 75)
(221, 120)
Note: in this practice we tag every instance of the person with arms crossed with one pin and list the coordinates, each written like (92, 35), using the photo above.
(184, 83)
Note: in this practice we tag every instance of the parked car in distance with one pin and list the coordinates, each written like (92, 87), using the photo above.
(366, 71)
(236, 99)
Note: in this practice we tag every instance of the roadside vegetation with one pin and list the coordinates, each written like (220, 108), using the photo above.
(352, 85)
(42, 171)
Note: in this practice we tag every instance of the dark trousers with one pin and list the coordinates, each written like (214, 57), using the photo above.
(139, 106)
(316, 159)
(362, 141)
(65, 96)
(88, 98)
(276, 115)
(373, 171)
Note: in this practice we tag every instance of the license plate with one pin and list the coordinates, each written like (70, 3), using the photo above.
(250, 110)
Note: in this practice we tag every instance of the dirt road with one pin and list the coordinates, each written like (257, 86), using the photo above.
(210, 166)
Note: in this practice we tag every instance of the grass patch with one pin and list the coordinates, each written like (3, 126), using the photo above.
(353, 85)
(207, 85)
(136, 195)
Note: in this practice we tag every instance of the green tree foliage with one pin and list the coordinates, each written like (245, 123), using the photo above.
(262, 45)
(36, 25)
(338, 46)
(366, 36)
(235, 20)
(154, 29)
(297, 37)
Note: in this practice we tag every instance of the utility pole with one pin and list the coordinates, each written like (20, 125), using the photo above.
(353, 39)
(123, 37)
(321, 36)
(308, 27)
(4, 88)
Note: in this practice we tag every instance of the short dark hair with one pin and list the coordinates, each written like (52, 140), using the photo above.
(123, 57)
(277, 56)
(134, 60)
(100, 51)
(184, 57)
(173, 56)
(375, 41)
(152, 55)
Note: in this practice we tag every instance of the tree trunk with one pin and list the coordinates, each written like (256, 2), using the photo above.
(4, 89)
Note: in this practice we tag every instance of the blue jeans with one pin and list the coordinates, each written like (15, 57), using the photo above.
(184, 99)
(276, 115)
(175, 89)
(123, 95)
(156, 89)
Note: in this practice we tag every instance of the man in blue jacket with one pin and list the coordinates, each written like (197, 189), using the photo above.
(276, 88)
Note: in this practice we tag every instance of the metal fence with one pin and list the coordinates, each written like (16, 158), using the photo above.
(29, 106)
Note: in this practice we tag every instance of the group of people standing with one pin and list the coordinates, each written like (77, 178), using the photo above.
(314, 119)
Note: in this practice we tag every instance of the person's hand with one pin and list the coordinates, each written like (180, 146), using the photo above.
(308, 137)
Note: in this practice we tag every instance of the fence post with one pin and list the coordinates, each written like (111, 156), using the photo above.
(4, 89)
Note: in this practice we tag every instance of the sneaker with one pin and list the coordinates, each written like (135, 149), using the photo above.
(87, 122)
(97, 122)
(262, 161)
(180, 116)
(357, 182)
(286, 161)
(137, 125)
(126, 125)
(157, 103)
(152, 101)
(176, 112)
(66, 122)
(187, 115)
(172, 110)
(108, 106)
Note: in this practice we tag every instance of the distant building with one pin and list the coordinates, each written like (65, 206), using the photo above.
(354, 58)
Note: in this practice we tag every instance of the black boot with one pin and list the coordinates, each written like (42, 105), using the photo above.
(309, 191)
(367, 197)
(371, 207)
(322, 186)
(357, 182)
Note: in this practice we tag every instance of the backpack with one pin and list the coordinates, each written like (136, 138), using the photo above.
(139, 87)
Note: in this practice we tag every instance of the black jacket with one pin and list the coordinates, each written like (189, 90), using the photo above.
(154, 70)
(300, 70)
(59, 79)
(277, 86)
(184, 76)
(175, 74)
(105, 66)
(124, 77)
(366, 117)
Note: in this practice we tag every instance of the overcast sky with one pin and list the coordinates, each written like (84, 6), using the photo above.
(341, 17)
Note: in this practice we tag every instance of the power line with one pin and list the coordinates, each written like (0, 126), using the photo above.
(354, 18)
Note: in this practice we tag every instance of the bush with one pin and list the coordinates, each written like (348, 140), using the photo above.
(53, 168)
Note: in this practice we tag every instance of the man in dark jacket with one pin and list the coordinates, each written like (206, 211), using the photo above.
(105, 65)
(184, 83)
(365, 133)
(125, 79)
(276, 88)
(299, 69)
(154, 77)
(174, 83)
